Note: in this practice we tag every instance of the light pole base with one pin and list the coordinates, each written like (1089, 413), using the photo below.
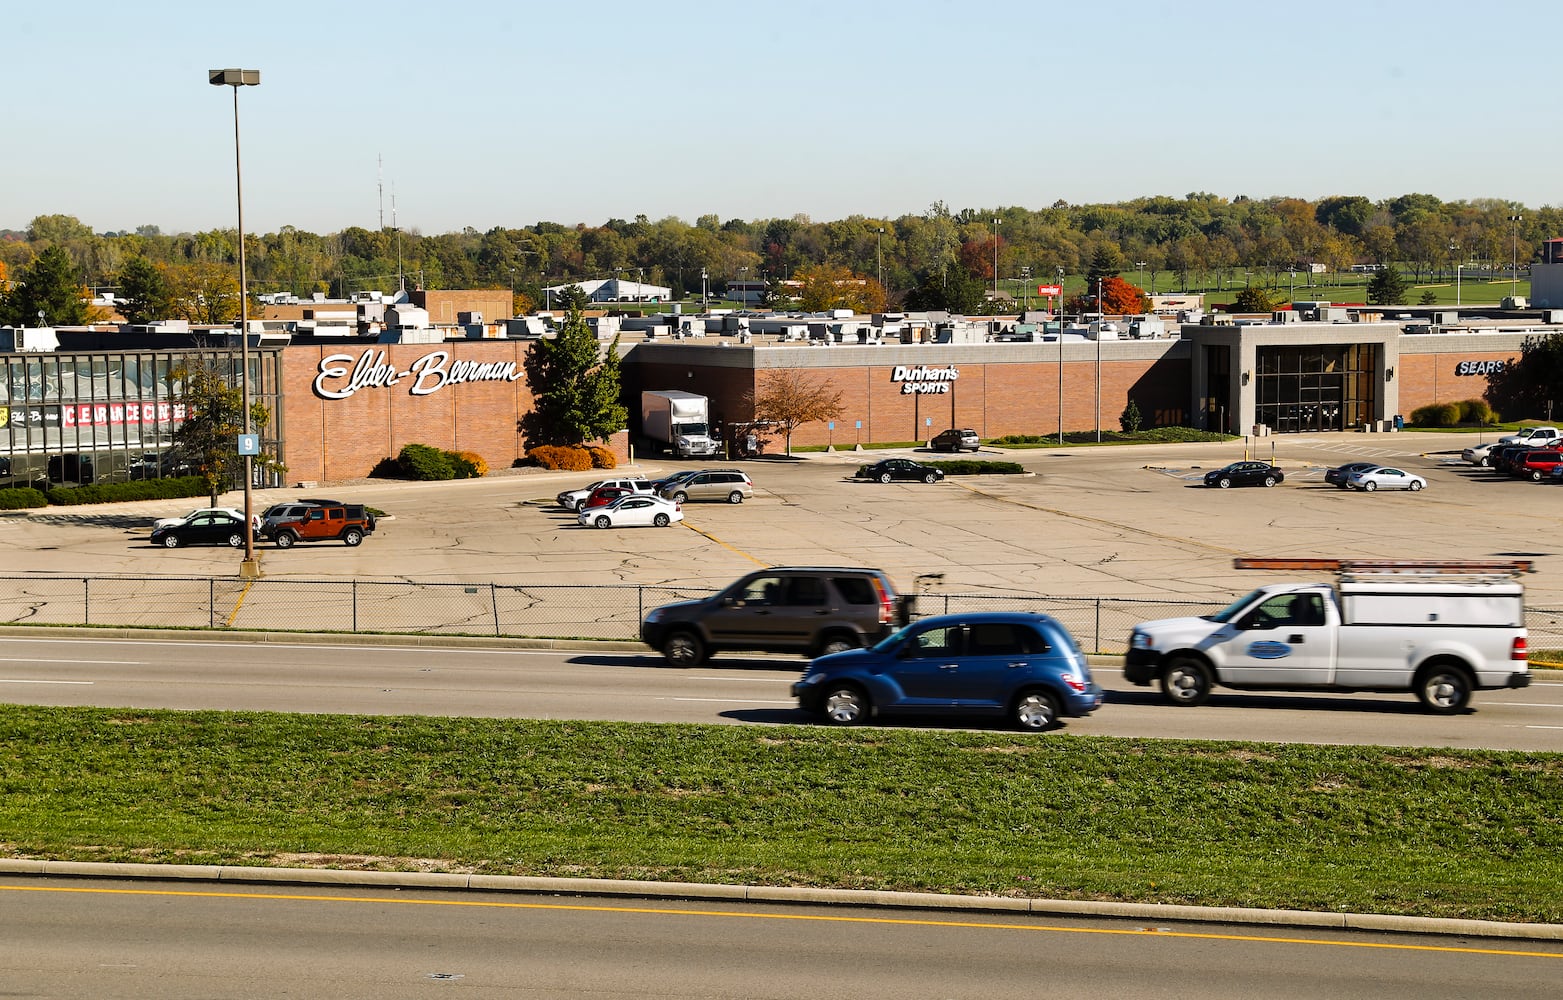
(249, 569)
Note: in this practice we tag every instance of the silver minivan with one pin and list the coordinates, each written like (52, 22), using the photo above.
(712, 484)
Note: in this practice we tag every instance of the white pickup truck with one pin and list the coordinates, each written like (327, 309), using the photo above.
(1441, 640)
(1541, 437)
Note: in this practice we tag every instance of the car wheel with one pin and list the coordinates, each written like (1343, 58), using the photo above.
(1485, 462)
(884, 477)
(1269, 481)
(735, 497)
(929, 477)
(661, 521)
(1224, 483)
(1035, 711)
(845, 705)
(1535, 476)
(352, 536)
(684, 649)
(1444, 689)
(580, 505)
(837, 643)
(603, 521)
(170, 541)
(680, 497)
(1416, 484)
(1370, 486)
(1186, 681)
(236, 540)
(286, 540)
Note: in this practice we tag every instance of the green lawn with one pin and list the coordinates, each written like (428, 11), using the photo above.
(1437, 833)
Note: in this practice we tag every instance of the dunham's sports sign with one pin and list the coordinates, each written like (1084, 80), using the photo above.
(429, 374)
(920, 379)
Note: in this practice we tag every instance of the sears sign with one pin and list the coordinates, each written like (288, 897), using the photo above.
(1483, 368)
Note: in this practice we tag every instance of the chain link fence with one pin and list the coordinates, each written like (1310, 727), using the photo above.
(552, 611)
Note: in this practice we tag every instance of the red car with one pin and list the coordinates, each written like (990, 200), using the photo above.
(1537, 465)
(604, 495)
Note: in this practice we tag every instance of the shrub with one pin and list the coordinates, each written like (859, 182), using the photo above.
(22, 498)
(1476, 411)
(976, 467)
(141, 489)
(602, 458)
(561, 457)
(468, 464)
(1436, 415)
(419, 461)
(1129, 420)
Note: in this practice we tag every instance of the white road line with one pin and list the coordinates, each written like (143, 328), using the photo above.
(1531, 704)
(746, 680)
(34, 659)
(23, 680)
(733, 701)
(1544, 727)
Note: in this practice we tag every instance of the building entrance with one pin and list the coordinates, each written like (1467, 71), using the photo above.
(1325, 387)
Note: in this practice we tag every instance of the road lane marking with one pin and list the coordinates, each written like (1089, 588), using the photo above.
(802, 917)
(34, 659)
(733, 701)
(735, 551)
(24, 680)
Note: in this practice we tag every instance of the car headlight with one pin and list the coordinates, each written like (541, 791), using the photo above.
(654, 615)
(1139, 640)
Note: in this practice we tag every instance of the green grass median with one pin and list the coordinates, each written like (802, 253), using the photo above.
(1475, 834)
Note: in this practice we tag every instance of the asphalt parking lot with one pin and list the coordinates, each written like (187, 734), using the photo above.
(1126, 521)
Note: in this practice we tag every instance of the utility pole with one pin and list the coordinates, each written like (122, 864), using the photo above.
(1514, 254)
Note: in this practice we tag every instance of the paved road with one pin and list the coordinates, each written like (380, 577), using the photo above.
(636, 687)
(176, 941)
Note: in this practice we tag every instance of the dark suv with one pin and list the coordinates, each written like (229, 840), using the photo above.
(955, 439)
(811, 610)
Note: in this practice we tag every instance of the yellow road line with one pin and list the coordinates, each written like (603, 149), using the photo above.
(237, 605)
(735, 551)
(807, 917)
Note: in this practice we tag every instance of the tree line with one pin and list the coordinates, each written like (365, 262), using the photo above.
(938, 258)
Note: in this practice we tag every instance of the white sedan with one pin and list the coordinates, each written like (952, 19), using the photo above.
(1385, 478)
(1477, 454)
(169, 522)
(633, 510)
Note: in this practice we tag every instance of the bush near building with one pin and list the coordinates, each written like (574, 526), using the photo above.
(977, 467)
(602, 458)
(143, 489)
(1466, 412)
(566, 458)
(22, 498)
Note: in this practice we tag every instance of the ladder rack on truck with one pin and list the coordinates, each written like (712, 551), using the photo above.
(1357, 570)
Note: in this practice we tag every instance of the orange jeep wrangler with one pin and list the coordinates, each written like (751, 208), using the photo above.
(348, 523)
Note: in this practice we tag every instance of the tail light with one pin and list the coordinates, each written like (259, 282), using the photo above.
(1074, 681)
(1517, 651)
(886, 604)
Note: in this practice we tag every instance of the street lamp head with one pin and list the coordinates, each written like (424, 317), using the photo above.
(233, 77)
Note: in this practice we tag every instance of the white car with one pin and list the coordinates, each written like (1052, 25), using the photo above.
(169, 522)
(633, 510)
(1478, 454)
(576, 499)
(1539, 437)
(1385, 478)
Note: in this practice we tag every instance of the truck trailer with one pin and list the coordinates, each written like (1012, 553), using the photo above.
(677, 422)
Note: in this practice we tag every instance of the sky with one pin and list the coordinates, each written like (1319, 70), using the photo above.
(441, 116)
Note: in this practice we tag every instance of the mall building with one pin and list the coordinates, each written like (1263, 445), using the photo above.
(100, 405)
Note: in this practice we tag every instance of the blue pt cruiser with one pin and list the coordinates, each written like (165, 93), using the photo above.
(1019, 665)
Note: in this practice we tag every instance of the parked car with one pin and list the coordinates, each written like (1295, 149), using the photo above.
(633, 510)
(1381, 477)
(1479, 454)
(1022, 665)
(1535, 437)
(811, 610)
(1244, 474)
(900, 468)
(204, 527)
(1341, 474)
(576, 499)
(731, 485)
(1537, 465)
(168, 522)
(602, 496)
(347, 523)
(955, 439)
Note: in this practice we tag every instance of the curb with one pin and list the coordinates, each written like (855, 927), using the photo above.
(791, 895)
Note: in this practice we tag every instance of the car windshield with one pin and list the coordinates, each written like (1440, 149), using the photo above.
(1231, 611)
(893, 639)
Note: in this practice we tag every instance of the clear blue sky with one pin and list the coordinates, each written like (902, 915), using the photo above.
(491, 113)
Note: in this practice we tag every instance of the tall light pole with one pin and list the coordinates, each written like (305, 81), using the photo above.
(1454, 251)
(512, 290)
(995, 265)
(744, 298)
(880, 254)
(1514, 254)
(249, 569)
(1141, 265)
(1058, 315)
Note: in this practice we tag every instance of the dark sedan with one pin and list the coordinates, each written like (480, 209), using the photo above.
(1339, 475)
(209, 528)
(900, 468)
(1245, 474)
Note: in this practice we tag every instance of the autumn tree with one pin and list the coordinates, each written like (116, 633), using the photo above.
(1253, 299)
(213, 397)
(1119, 298)
(831, 286)
(576, 389)
(51, 286)
(202, 292)
(789, 397)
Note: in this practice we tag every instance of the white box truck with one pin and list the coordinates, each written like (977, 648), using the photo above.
(679, 422)
(1439, 630)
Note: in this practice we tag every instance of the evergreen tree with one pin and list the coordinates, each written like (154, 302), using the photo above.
(575, 391)
(145, 291)
(949, 289)
(1106, 262)
(50, 285)
(1387, 288)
